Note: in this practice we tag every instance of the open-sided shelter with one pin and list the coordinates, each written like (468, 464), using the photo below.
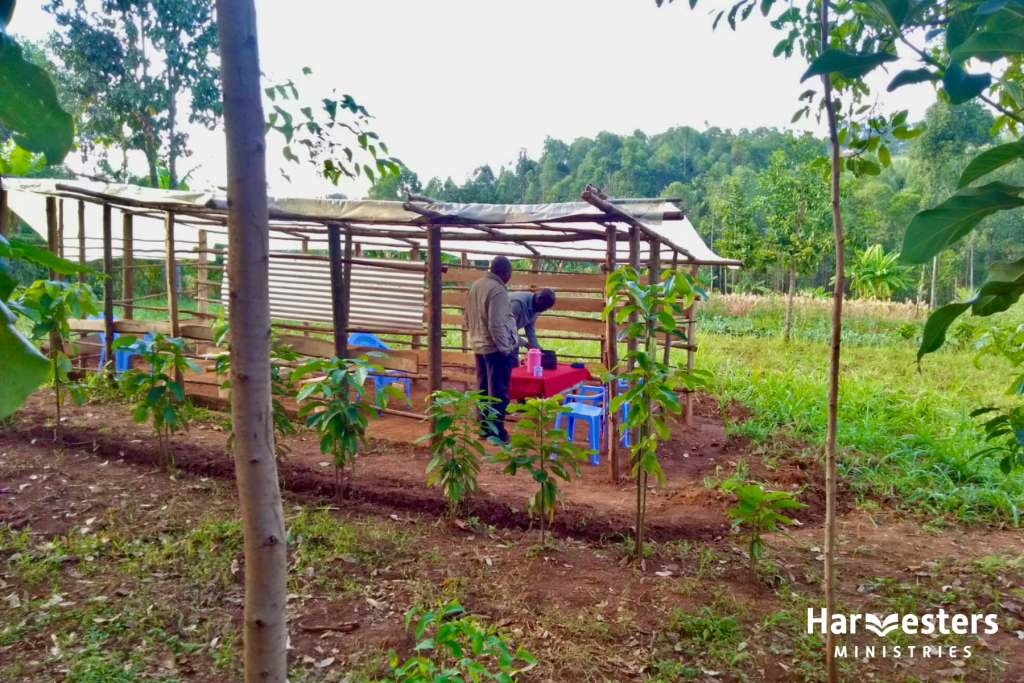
(357, 282)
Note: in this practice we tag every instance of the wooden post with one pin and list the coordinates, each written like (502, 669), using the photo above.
(60, 228)
(337, 287)
(3, 213)
(201, 273)
(634, 262)
(434, 332)
(108, 292)
(81, 239)
(127, 265)
(464, 260)
(668, 335)
(654, 277)
(691, 331)
(171, 265)
(612, 360)
(51, 230)
(346, 291)
(414, 255)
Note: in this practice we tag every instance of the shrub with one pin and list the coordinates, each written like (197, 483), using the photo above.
(463, 650)
(756, 513)
(544, 452)
(455, 444)
(159, 394)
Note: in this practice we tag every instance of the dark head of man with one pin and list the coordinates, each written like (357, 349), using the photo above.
(502, 267)
(544, 299)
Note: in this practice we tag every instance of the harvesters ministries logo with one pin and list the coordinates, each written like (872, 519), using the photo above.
(941, 623)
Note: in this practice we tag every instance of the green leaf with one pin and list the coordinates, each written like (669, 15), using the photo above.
(962, 86)
(46, 258)
(931, 231)
(989, 46)
(911, 77)
(29, 106)
(883, 156)
(22, 367)
(990, 160)
(849, 66)
(892, 12)
(935, 329)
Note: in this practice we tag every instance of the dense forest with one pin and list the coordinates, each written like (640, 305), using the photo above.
(720, 177)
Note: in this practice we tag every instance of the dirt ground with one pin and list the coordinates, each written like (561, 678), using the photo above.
(167, 570)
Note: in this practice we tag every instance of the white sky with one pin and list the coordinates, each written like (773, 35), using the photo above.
(454, 84)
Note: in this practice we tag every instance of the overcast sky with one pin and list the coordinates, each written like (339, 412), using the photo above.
(454, 84)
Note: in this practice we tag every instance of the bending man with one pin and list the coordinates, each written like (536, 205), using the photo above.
(526, 308)
(493, 337)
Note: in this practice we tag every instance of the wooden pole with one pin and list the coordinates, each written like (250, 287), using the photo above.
(337, 289)
(414, 255)
(434, 332)
(127, 265)
(60, 228)
(171, 265)
(3, 213)
(81, 239)
(612, 361)
(634, 262)
(464, 260)
(691, 331)
(108, 291)
(668, 337)
(346, 291)
(201, 272)
(265, 626)
(51, 230)
(654, 277)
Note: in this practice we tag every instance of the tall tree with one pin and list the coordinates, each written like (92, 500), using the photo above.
(794, 202)
(140, 66)
(265, 635)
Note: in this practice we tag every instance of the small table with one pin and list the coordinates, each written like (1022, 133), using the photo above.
(552, 382)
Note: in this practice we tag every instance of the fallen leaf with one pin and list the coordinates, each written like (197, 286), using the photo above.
(324, 663)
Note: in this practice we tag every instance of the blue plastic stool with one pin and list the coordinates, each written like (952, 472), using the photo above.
(594, 417)
(391, 376)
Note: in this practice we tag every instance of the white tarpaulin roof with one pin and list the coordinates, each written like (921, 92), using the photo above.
(513, 230)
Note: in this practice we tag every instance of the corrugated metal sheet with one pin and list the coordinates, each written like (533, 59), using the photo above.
(380, 297)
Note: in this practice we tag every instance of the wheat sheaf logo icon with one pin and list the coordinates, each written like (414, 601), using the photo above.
(881, 627)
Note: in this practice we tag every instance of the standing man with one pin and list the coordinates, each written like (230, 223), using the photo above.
(493, 337)
(526, 307)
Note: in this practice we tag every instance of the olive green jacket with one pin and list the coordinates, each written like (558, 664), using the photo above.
(489, 317)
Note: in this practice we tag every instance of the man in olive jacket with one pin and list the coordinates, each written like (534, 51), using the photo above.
(495, 341)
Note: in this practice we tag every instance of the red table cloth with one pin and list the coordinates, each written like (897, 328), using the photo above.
(557, 381)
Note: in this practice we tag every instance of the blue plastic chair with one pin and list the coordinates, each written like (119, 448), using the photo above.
(122, 357)
(594, 417)
(391, 376)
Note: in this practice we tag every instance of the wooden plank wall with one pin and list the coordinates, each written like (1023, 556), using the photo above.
(579, 297)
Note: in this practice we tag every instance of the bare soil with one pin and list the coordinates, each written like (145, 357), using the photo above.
(579, 608)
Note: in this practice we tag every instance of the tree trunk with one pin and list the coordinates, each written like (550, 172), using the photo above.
(265, 634)
(935, 273)
(789, 302)
(172, 150)
(833, 373)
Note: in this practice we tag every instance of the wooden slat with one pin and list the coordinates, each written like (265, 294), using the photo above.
(573, 304)
(548, 322)
(392, 359)
(595, 281)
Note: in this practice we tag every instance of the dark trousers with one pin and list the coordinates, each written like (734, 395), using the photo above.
(493, 374)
